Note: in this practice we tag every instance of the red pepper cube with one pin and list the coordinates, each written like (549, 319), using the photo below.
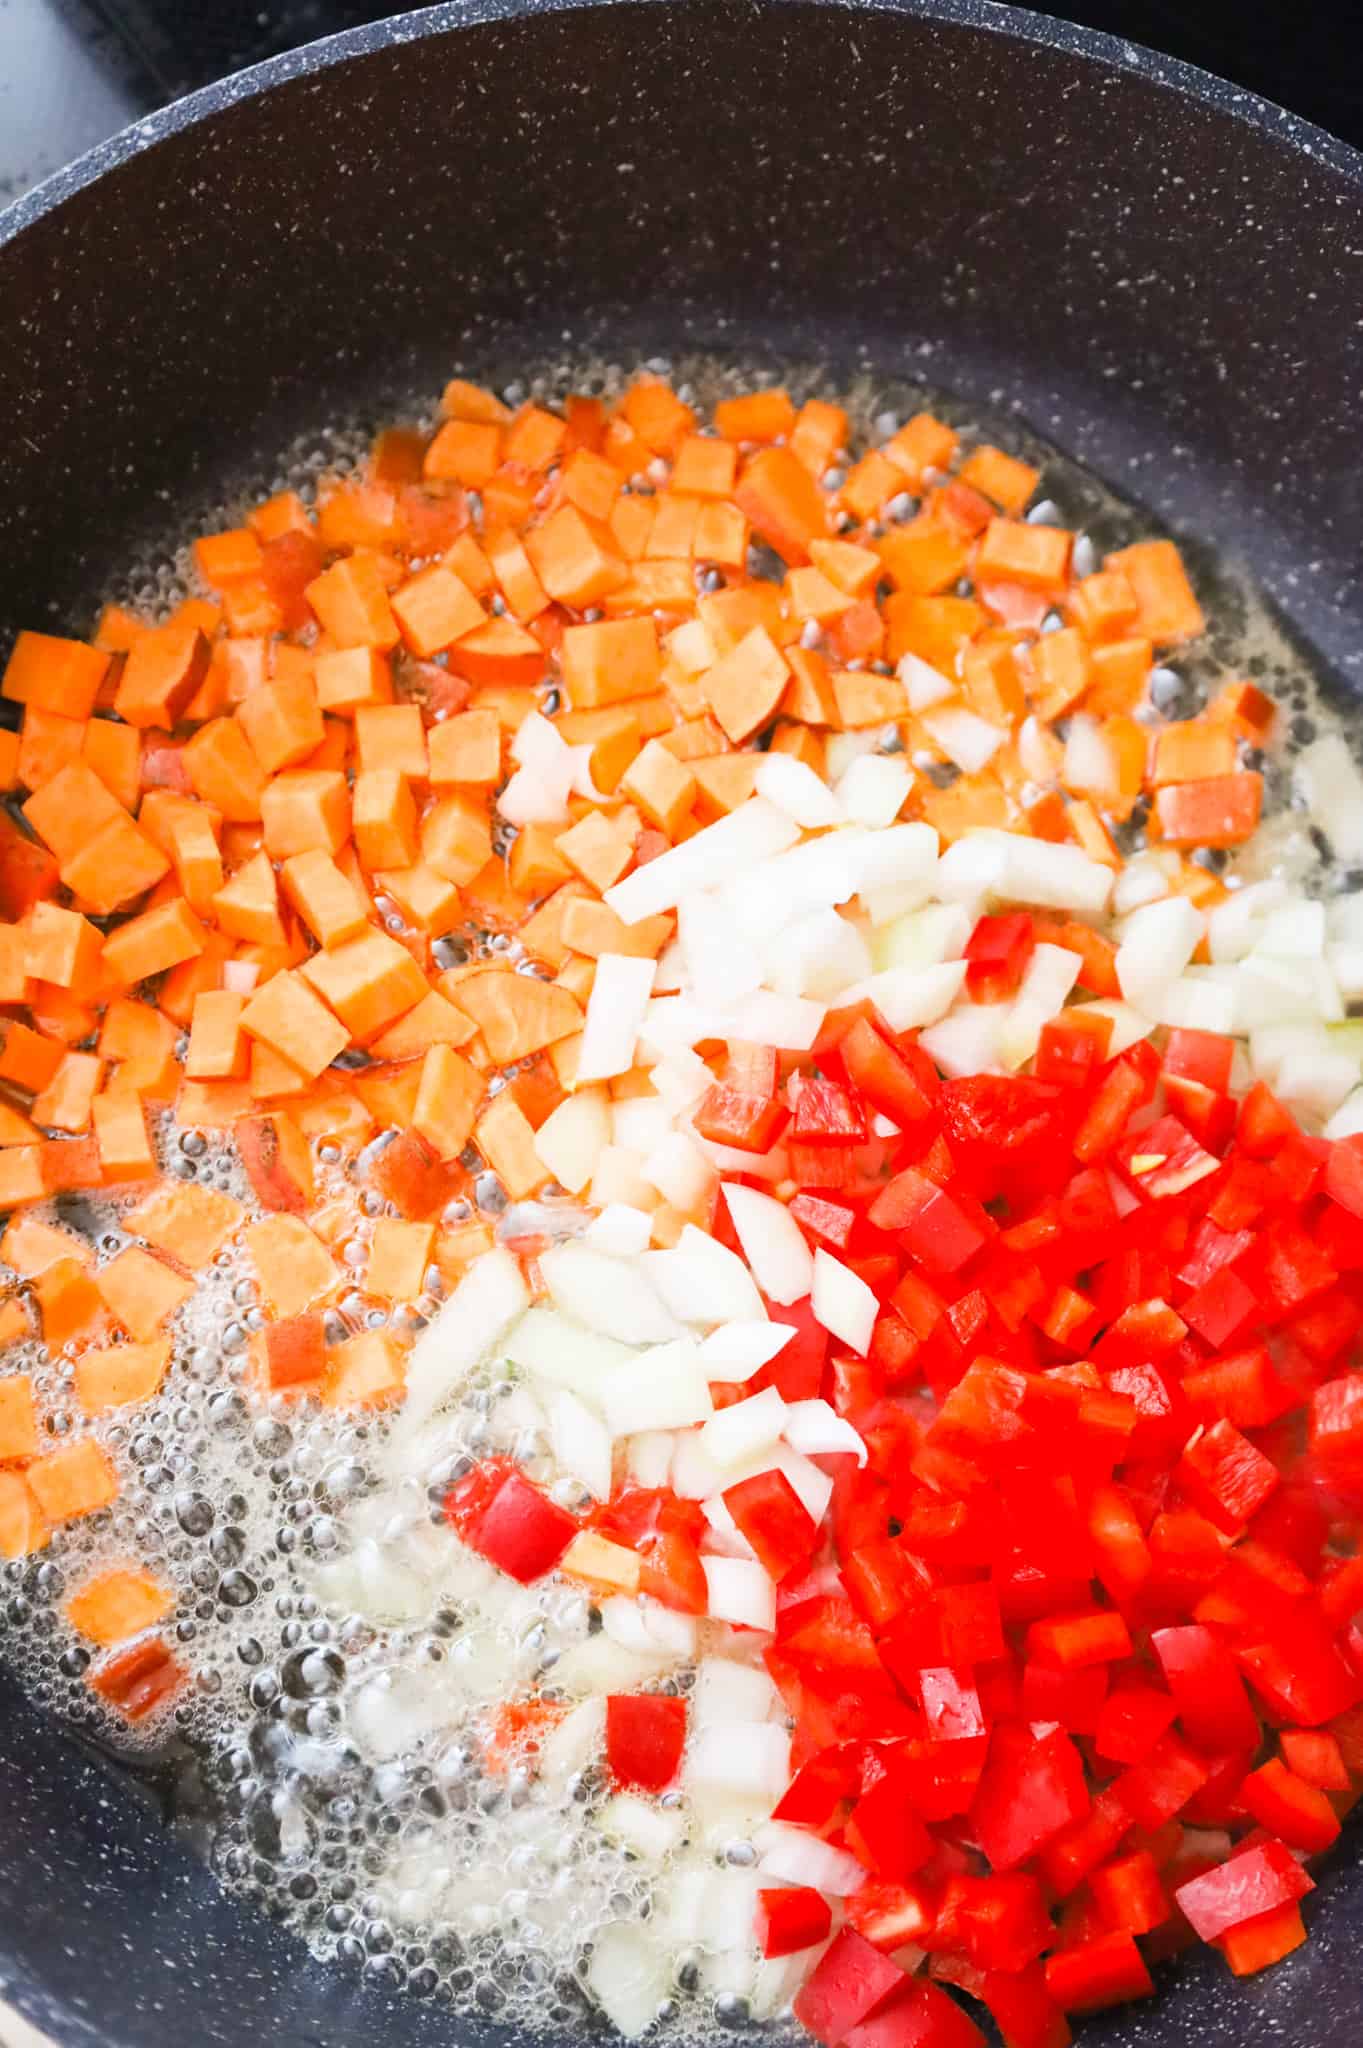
(1122, 1090)
(1221, 1309)
(1163, 1159)
(1225, 1477)
(1001, 1922)
(1256, 1944)
(951, 1708)
(1071, 1641)
(996, 956)
(829, 1223)
(1074, 1699)
(942, 1233)
(136, 1679)
(849, 1982)
(1071, 1048)
(1129, 1893)
(747, 1122)
(521, 1530)
(1161, 1785)
(1131, 1721)
(791, 1918)
(1105, 1971)
(1201, 1056)
(1344, 1175)
(1337, 1418)
(775, 1521)
(1298, 1813)
(826, 1113)
(889, 1081)
(1032, 1787)
(919, 2015)
(1257, 1879)
(884, 1831)
(645, 1736)
(1213, 1707)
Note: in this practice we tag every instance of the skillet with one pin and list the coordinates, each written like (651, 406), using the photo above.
(1156, 271)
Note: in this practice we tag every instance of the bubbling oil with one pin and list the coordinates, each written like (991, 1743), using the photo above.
(346, 1657)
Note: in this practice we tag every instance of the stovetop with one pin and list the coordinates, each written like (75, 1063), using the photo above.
(74, 71)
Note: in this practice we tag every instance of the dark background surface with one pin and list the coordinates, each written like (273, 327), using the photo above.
(73, 71)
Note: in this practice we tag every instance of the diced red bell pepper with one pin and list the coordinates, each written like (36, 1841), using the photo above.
(826, 1113)
(1208, 1691)
(891, 1915)
(1263, 1124)
(1098, 1636)
(935, 1228)
(1032, 1788)
(137, 1677)
(1221, 1309)
(1073, 1699)
(820, 1786)
(747, 1122)
(1154, 1790)
(1336, 1418)
(1129, 1893)
(1257, 1879)
(1123, 1088)
(1202, 1056)
(645, 1736)
(919, 2015)
(791, 1918)
(1072, 1047)
(1314, 1755)
(1255, 1944)
(884, 1831)
(512, 1524)
(1163, 1159)
(1225, 1476)
(889, 1081)
(850, 1980)
(1000, 1922)
(1131, 1721)
(797, 1371)
(1297, 1813)
(827, 1222)
(1105, 1971)
(996, 956)
(775, 1521)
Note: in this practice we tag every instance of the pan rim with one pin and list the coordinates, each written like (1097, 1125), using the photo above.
(1276, 124)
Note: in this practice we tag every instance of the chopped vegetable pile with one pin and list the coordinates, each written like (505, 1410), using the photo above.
(930, 1174)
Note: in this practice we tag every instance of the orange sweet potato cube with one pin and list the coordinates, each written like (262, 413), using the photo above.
(289, 1018)
(465, 748)
(383, 819)
(369, 982)
(448, 1098)
(76, 1479)
(305, 809)
(456, 838)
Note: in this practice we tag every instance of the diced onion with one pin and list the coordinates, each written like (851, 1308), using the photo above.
(815, 1428)
(605, 1294)
(703, 1282)
(969, 1041)
(663, 1388)
(615, 1015)
(619, 1230)
(581, 1443)
(628, 1975)
(711, 856)
(923, 684)
(728, 1691)
(1327, 778)
(1157, 944)
(963, 737)
(647, 1830)
(818, 956)
(483, 1306)
(736, 1350)
(843, 1303)
(681, 1171)
(772, 1242)
(794, 1857)
(747, 1758)
(570, 1139)
(795, 789)
(910, 997)
(740, 1592)
(873, 788)
(738, 1432)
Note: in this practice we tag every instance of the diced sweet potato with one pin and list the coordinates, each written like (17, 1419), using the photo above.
(114, 1605)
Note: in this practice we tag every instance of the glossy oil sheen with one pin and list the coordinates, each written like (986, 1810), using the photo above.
(1161, 275)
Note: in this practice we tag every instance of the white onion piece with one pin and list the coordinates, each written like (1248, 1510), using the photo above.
(1344, 919)
(640, 1122)
(923, 684)
(681, 1079)
(581, 1443)
(1269, 991)
(750, 1759)
(969, 1041)
(712, 856)
(483, 1306)
(239, 977)
(818, 956)
(738, 1349)
(794, 1857)
(702, 1281)
(739, 1591)
(557, 1350)
(772, 1244)
(615, 1016)
(671, 974)
(963, 737)
(1347, 1120)
(1032, 871)
(795, 789)
(1197, 1003)
(570, 1139)
(1326, 777)
(694, 1475)
(604, 1294)
(789, 1022)
(692, 648)
(1296, 931)
(720, 962)
(1157, 944)
(814, 876)
(910, 997)
(901, 854)
(777, 1981)
(728, 1691)
(619, 1181)
(629, 1976)
(647, 1830)
(735, 1434)
(662, 1388)
(923, 937)
(682, 1172)
(646, 1625)
(601, 1665)
(816, 1428)
(1316, 1085)
(841, 749)
(843, 1303)
(1345, 961)
(725, 1538)
(1234, 925)
(1142, 881)
(873, 789)
(1090, 763)
(650, 1457)
(619, 1231)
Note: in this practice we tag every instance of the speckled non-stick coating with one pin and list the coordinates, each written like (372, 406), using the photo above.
(1162, 274)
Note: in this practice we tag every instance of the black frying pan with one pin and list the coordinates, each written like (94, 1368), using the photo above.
(1160, 273)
